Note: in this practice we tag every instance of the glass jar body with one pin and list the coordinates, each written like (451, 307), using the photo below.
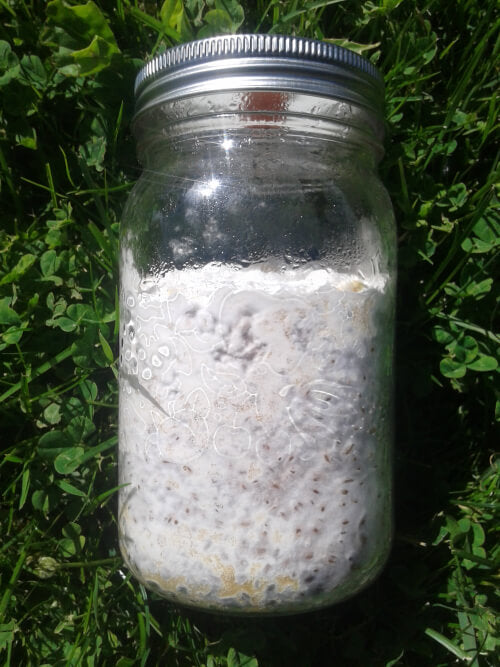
(257, 304)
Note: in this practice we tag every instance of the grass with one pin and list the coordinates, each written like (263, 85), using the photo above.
(67, 162)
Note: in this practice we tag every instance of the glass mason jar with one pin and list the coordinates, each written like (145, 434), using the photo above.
(257, 309)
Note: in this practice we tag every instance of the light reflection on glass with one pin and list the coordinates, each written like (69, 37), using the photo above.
(207, 188)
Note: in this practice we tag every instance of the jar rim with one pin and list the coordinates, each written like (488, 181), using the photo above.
(259, 62)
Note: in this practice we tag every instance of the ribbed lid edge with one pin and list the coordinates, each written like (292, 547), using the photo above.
(248, 46)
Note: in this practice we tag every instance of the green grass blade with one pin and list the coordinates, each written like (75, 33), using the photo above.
(449, 645)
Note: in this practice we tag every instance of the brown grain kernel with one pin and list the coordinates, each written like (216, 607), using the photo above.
(344, 491)
(315, 491)
(308, 556)
(298, 531)
(326, 457)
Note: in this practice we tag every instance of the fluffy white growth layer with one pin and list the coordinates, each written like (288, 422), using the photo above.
(253, 434)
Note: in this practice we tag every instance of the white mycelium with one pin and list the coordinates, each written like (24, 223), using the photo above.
(253, 435)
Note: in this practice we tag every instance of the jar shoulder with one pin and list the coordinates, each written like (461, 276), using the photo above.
(320, 206)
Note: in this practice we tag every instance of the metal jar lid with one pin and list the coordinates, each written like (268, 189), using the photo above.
(258, 63)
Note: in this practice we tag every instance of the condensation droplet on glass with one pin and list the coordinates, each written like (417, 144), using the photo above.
(131, 332)
(163, 350)
(146, 374)
(141, 354)
(156, 361)
(146, 284)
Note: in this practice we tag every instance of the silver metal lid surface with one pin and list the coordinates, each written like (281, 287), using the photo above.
(259, 62)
